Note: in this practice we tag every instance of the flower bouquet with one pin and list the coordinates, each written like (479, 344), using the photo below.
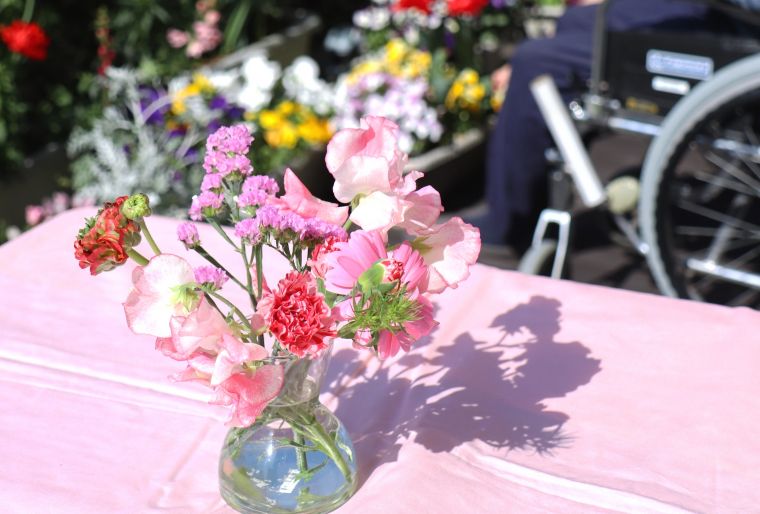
(264, 357)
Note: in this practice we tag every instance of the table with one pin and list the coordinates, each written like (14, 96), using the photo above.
(532, 395)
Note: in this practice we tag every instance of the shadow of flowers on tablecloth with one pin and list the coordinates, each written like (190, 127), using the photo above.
(487, 390)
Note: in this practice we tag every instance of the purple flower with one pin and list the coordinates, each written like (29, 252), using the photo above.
(212, 182)
(235, 139)
(248, 230)
(218, 102)
(206, 204)
(188, 234)
(210, 275)
(262, 183)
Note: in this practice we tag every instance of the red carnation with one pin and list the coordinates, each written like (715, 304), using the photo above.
(420, 5)
(104, 241)
(466, 7)
(297, 314)
(26, 39)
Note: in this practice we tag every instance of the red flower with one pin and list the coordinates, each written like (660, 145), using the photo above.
(466, 7)
(297, 314)
(26, 39)
(420, 5)
(103, 243)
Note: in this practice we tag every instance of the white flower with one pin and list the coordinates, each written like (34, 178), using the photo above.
(260, 71)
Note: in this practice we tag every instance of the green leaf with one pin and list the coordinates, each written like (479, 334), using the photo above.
(372, 277)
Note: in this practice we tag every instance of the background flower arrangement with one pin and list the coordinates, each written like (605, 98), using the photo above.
(340, 284)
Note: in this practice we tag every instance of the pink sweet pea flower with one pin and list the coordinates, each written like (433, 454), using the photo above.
(233, 353)
(202, 329)
(366, 159)
(249, 393)
(298, 199)
(157, 295)
(380, 211)
(389, 343)
(449, 250)
(425, 208)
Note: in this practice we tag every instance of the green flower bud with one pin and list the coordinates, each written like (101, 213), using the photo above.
(136, 207)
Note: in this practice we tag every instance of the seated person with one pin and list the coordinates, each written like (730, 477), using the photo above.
(516, 169)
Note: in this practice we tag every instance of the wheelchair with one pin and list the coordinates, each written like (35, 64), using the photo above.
(694, 212)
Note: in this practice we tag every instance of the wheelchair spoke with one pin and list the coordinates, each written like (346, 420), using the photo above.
(723, 182)
(719, 217)
(734, 171)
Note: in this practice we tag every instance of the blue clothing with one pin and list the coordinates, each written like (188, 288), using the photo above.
(515, 166)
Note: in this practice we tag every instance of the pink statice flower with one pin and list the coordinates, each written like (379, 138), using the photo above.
(257, 190)
(236, 139)
(212, 182)
(297, 315)
(248, 230)
(160, 291)
(187, 233)
(211, 276)
(207, 204)
(449, 249)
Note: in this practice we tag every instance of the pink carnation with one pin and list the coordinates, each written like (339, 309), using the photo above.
(297, 314)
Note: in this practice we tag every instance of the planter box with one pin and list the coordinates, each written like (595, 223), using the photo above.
(455, 170)
(38, 178)
(282, 47)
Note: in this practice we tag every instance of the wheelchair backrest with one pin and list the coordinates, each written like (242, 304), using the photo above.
(649, 70)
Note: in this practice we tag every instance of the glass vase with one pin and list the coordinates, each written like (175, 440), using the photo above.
(296, 457)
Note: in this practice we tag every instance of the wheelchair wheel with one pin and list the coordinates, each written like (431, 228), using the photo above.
(700, 193)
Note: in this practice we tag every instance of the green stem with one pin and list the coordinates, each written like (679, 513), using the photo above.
(144, 228)
(28, 11)
(223, 234)
(232, 306)
(248, 278)
(329, 447)
(259, 257)
(203, 253)
(303, 465)
(137, 257)
(213, 303)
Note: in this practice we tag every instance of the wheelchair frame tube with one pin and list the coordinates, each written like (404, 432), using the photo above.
(577, 162)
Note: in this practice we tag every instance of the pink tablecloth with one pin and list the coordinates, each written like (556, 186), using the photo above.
(531, 396)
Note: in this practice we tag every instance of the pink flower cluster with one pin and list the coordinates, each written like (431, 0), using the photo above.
(211, 275)
(205, 36)
(189, 329)
(187, 233)
(379, 295)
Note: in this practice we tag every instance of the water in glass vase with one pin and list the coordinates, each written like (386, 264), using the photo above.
(296, 458)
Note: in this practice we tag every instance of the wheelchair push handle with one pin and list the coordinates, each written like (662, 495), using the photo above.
(577, 161)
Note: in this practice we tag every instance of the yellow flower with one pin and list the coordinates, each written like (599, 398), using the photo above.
(315, 130)
(469, 76)
(287, 108)
(269, 119)
(202, 84)
(284, 136)
(452, 97)
(395, 50)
